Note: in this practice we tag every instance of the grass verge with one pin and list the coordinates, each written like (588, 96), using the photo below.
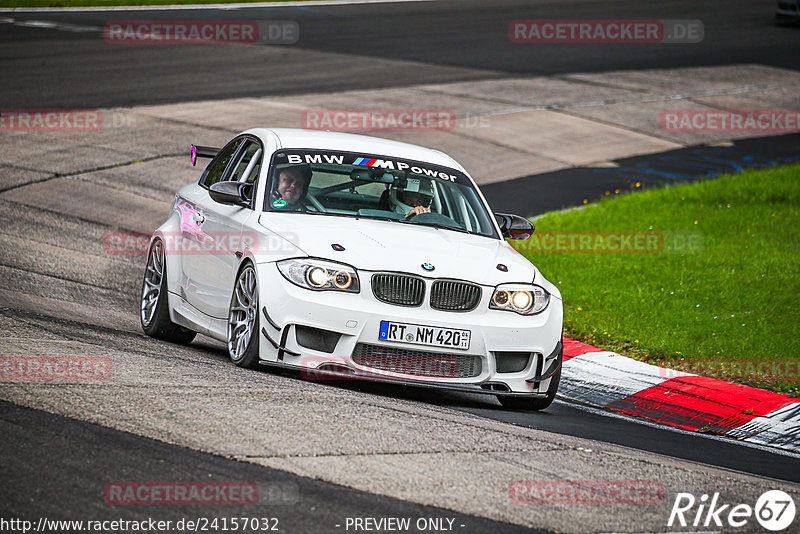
(714, 288)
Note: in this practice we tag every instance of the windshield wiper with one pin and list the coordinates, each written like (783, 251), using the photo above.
(377, 218)
(440, 225)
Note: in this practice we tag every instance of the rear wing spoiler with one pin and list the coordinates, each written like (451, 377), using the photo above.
(202, 152)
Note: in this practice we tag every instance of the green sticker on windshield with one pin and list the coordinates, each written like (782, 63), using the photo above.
(280, 203)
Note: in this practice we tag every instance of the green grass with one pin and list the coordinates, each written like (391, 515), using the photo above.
(107, 3)
(719, 311)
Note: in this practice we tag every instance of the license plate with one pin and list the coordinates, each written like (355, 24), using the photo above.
(424, 335)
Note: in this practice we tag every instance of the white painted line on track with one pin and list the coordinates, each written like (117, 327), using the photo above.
(52, 25)
(175, 7)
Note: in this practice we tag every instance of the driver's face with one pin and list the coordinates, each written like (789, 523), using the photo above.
(290, 186)
(415, 199)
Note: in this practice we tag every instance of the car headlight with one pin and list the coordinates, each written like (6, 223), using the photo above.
(523, 299)
(320, 275)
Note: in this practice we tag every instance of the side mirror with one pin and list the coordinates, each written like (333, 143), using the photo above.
(232, 193)
(514, 226)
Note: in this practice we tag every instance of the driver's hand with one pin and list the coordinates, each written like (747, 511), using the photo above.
(417, 211)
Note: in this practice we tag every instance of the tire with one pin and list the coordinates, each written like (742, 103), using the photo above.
(244, 327)
(533, 404)
(154, 304)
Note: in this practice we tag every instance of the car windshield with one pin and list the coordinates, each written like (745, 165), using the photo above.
(349, 184)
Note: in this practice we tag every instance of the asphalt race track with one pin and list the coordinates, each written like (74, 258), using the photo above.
(350, 47)
(65, 478)
(344, 449)
(570, 187)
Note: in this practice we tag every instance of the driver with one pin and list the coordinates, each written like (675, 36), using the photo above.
(292, 187)
(414, 199)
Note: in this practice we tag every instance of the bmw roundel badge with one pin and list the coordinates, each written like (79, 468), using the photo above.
(428, 266)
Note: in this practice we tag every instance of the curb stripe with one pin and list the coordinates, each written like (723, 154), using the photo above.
(683, 400)
(700, 403)
(574, 348)
(601, 378)
(781, 428)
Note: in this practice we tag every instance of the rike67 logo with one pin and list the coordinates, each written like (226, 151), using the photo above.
(774, 511)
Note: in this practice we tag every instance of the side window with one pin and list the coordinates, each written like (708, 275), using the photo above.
(216, 168)
(250, 150)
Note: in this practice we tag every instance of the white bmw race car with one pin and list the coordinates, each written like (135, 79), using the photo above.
(348, 256)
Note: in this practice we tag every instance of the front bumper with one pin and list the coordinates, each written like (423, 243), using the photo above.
(354, 319)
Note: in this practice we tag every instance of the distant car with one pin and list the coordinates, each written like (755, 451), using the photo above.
(788, 9)
(349, 256)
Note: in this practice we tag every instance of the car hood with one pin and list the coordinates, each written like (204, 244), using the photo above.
(375, 245)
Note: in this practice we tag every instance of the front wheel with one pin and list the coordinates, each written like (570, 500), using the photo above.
(154, 308)
(533, 404)
(243, 323)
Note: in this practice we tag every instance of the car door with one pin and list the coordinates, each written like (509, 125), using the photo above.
(225, 243)
(208, 248)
